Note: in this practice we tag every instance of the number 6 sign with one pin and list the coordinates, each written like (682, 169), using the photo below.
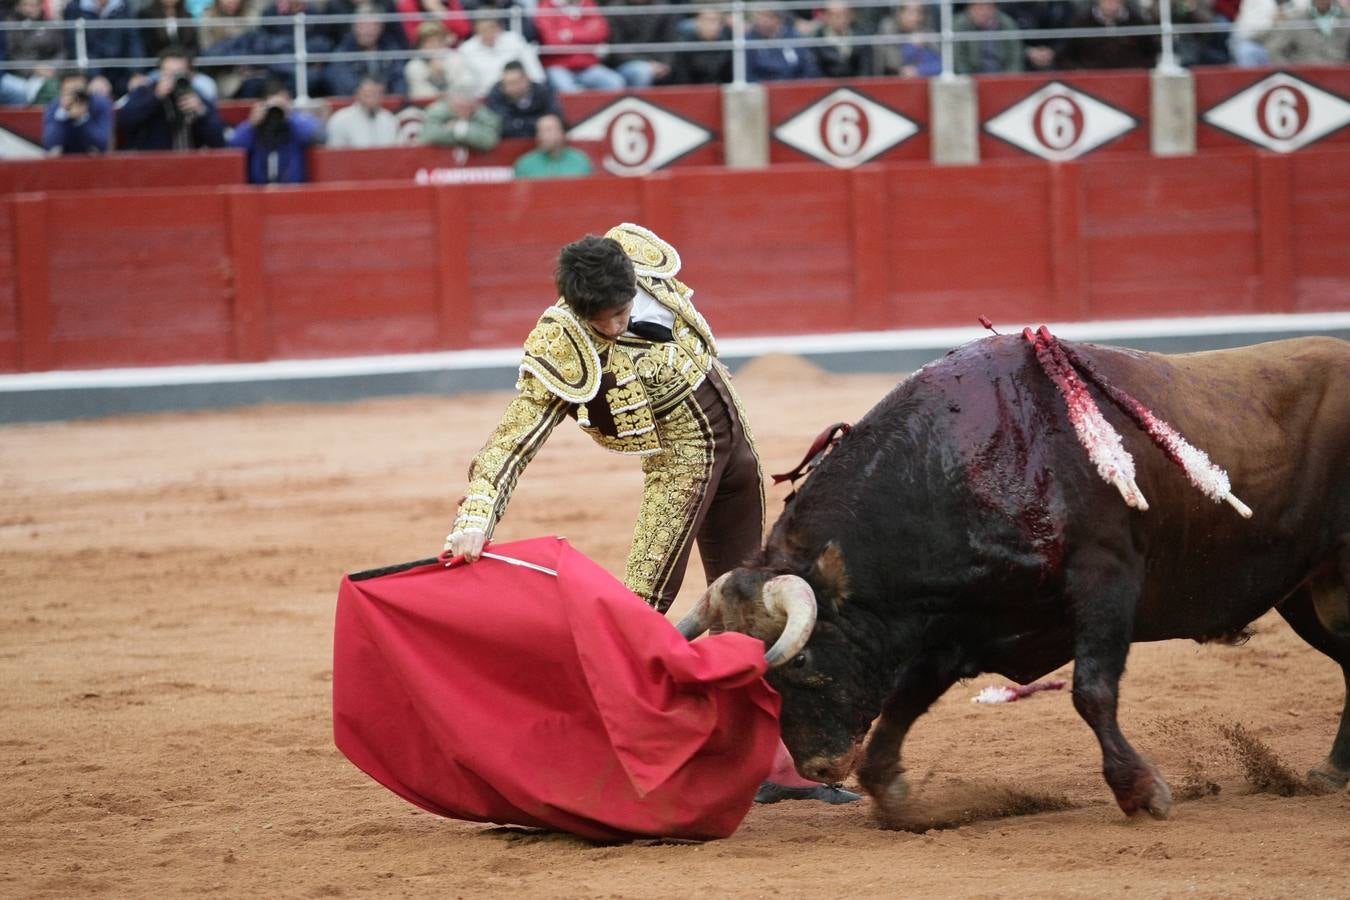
(639, 137)
(1281, 113)
(845, 129)
(1059, 122)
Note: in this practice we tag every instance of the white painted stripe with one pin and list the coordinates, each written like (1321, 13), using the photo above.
(1074, 331)
(276, 370)
(937, 339)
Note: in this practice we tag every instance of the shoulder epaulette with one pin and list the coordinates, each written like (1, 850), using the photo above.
(651, 256)
(560, 354)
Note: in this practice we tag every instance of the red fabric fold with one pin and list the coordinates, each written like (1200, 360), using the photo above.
(495, 693)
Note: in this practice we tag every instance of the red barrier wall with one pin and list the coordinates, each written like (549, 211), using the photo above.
(239, 273)
(404, 163)
(123, 170)
(9, 301)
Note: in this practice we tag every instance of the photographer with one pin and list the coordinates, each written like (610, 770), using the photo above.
(276, 138)
(76, 121)
(168, 113)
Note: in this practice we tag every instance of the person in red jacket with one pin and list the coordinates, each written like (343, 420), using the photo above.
(574, 23)
(450, 13)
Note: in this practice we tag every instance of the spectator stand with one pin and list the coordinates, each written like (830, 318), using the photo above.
(805, 34)
(1054, 115)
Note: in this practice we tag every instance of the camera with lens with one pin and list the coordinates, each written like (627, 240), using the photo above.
(275, 128)
(182, 87)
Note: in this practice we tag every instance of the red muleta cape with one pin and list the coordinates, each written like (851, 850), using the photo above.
(497, 693)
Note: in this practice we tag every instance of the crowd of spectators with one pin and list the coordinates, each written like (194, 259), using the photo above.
(490, 69)
(581, 44)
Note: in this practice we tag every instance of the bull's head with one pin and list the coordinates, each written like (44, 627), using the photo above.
(813, 662)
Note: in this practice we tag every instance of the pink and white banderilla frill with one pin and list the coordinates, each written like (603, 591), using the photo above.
(1103, 443)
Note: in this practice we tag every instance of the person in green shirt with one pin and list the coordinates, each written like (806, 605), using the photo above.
(991, 53)
(552, 158)
(459, 121)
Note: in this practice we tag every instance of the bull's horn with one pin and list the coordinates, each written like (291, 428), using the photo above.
(707, 611)
(792, 596)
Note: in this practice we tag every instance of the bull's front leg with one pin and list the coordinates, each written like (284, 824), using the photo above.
(917, 687)
(1103, 597)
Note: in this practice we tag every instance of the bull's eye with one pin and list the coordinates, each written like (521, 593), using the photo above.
(799, 661)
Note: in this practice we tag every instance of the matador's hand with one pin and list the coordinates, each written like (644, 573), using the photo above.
(468, 544)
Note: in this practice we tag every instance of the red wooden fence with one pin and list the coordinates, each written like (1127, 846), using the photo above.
(233, 273)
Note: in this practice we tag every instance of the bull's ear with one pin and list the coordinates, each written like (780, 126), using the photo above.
(830, 575)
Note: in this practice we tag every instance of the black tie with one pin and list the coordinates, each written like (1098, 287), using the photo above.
(652, 331)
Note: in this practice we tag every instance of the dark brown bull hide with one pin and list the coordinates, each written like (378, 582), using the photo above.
(960, 529)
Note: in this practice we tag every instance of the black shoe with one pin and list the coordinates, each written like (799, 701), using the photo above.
(836, 794)
(772, 792)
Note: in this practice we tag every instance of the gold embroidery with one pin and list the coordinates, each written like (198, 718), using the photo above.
(673, 485)
(562, 355)
(651, 256)
(526, 424)
(651, 384)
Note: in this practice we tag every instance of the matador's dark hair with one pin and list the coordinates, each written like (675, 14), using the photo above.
(594, 275)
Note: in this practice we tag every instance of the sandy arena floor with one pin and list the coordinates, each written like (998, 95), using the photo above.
(165, 655)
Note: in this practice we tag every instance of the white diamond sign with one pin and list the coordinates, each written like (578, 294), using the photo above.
(638, 136)
(1281, 113)
(845, 129)
(1058, 122)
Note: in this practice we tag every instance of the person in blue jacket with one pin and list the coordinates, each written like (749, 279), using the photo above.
(369, 36)
(168, 113)
(105, 43)
(277, 137)
(776, 63)
(76, 121)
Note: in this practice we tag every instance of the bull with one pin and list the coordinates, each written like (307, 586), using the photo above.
(961, 528)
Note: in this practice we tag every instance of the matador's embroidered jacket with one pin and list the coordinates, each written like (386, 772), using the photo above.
(633, 396)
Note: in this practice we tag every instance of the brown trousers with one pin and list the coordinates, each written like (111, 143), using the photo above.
(706, 486)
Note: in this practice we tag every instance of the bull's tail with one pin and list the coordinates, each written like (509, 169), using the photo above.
(1063, 364)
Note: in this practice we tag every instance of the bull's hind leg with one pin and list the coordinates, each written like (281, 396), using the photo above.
(1320, 614)
(1104, 601)
(917, 687)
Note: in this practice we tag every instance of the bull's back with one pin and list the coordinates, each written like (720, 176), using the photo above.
(980, 442)
(1276, 418)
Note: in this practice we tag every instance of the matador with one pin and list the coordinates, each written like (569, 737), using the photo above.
(626, 354)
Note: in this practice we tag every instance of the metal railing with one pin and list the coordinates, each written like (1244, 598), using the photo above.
(740, 42)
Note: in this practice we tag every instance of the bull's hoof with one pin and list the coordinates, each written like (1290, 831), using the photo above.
(1327, 777)
(1147, 791)
(876, 779)
(888, 802)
